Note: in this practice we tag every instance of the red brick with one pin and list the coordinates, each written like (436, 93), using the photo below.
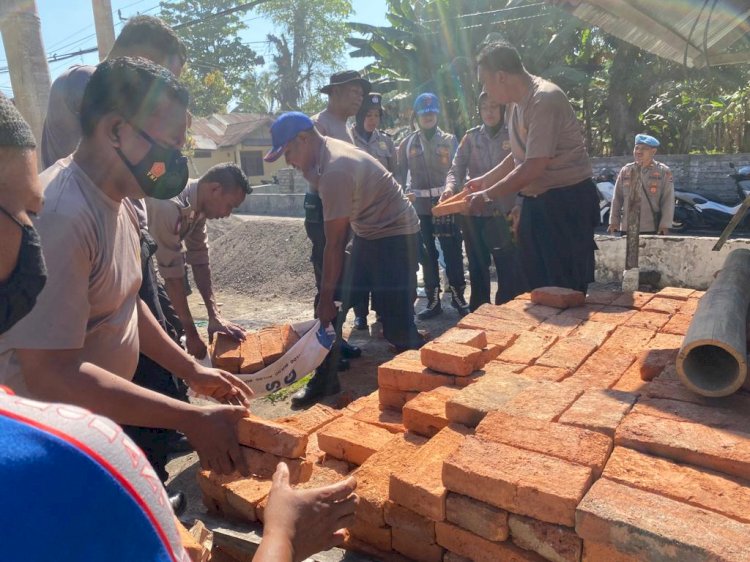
(520, 481)
(631, 381)
(212, 484)
(419, 486)
(648, 320)
(698, 487)
(196, 552)
(252, 358)
(419, 527)
(528, 348)
(572, 444)
(551, 542)
(394, 399)
(379, 537)
(263, 465)
(453, 557)
(567, 353)
(472, 403)
(629, 339)
(599, 410)
(425, 414)
(724, 451)
(523, 297)
(665, 341)
(480, 518)
(559, 325)
(477, 549)
(490, 353)
(663, 305)
(606, 366)
(665, 529)
(602, 297)
(389, 420)
(478, 321)
(543, 373)
(352, 440)
(731, 415)
(415, 549)
(580, 312)
(272, 437)
(451, 358)
(408, 373)
(689, 306)
(312, 419)
(558, 297)
(635, 300)
(499, 367)
(472, 338)
(370, 552)
(271, 344)
(677, 293)
(244, 495)
(373, 477)
(542, 401)
(225, 354)
(613, 315)
(598, 552)
(362, 403)
(678, 324)
(463, 382)
(668, 386)
(522, 312)
(652, 362)
(502, 339)
(597, 332)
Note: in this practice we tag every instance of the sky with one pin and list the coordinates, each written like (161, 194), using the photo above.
(68, 26)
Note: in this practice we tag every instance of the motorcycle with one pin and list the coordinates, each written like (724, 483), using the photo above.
(694, 211)
(605, 187)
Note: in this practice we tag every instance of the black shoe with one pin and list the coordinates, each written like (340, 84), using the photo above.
(344, 364)
(349, 351)
(178, 501)
(458, 301)
(360, 322)
(178, 444)
(433, 305)
(319, 386)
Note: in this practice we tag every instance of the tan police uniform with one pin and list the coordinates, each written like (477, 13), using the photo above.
(657, 197)
(380, 146)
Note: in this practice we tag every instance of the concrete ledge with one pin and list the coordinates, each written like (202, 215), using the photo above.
(683, 261)
(275, 204)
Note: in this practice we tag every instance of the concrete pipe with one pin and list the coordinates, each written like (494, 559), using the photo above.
(713, 358)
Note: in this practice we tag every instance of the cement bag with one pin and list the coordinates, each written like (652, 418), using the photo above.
(299, 360)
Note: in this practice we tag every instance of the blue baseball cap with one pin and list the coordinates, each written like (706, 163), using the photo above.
(648, 140)
(426, 103)
(284, 130)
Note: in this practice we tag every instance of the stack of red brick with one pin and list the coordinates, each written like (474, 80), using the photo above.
(554, 431)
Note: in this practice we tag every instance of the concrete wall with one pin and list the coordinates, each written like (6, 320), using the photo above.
(700, 173)
(199, 166)
(683, 261)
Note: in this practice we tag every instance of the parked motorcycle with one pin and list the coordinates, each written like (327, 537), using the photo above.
(694, 211)
(605, 186)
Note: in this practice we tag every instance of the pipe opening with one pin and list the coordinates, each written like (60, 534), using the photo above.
(711, 368)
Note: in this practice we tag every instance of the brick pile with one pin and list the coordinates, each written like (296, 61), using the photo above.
(550, 428)
(258, 350)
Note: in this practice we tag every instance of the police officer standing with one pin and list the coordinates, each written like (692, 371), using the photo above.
(657, 195)
(486, 232)
(424, 158)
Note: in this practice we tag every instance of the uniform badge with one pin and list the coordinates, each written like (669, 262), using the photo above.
(653, 188)
(382, 145)
(506, 145)
(157, 171)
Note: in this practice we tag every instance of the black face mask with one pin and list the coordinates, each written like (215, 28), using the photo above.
(18, 294)
(162, 173)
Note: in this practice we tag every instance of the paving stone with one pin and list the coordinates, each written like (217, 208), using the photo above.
(599, 410)
(520, 481)
(472, 338)
(272, 437)
(419, 527)
(472, 403)
(635, 300)
(389, 420)
(451, 358)
(551, 542)
(477, 549)
(425, 414)
(567, 353)
(528, 348)
(648, 320)
(415, 549)
(480, 518)
(352, 440)
(658, 527)
(543, 401)
(544, 373)
(558, 297)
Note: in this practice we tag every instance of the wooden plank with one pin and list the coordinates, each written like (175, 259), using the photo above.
(634, 218)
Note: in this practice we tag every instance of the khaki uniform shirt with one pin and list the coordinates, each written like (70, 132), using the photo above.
(423, 165)
(657, 190)
(176, 222)
(477, 154)
(329, 125)
(380, 146)
(544, 125)
(353, 184)
(92, 250)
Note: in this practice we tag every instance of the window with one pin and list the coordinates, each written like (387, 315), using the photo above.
(252, 162)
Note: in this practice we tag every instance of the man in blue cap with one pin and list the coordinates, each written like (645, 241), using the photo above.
(358, 192)
(424, 159)
(657, 190)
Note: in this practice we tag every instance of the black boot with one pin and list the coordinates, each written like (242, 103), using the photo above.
(323, 383)
(433, 305)
(349, 351)
(458, 301)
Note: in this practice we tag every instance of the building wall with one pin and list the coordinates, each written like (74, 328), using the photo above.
(199, 166)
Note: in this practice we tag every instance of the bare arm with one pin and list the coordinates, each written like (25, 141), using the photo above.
(202, 276)
(337, 233)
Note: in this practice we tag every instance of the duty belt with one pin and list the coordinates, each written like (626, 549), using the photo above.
(434, 192)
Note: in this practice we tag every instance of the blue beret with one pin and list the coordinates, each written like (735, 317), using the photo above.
(427, 103)
(648, 140)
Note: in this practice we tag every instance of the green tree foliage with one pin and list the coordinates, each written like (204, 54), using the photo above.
(208, 94)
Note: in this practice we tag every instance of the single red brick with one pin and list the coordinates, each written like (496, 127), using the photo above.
(363, 402)
(472, 403)
(678, 324)
(225, 354)
(543, 401)
(572, 444)
(453, 557)
(551, 542)
(581, 312)
(425, 414)
(310, 420)
(480, 518)
(451, 358)
(567, 353)
(558, 297)
(499, 367)
(602, 297)
(272, 437)
(698, 487)
(352, 440)
(677, 293)
(419, 486)
(244, 495)
(394, 399)
(263, 465)
(419, 527)
(668, 386)
(652, 362)
(597, 332)
(627, 517)
(635, 300)
(271, 344)
(597, 551)
(616, 315)
(559, 325)
(379, 537)
(629, 339)
(631, 381)
(477, 549)
(414, 548)
(665, 341)
(599, 410)
(478, 321)
(502, 339)
(528, 348)
(252, 357)
(472, 338)
(389, 420)
(731, 415)
(520, 481)
(408, 373)
(212, 484)
(521, 312)
(727, 452)
(543, 373)
(663, 305)
(648, 320)
(689, 306)
(490, 353)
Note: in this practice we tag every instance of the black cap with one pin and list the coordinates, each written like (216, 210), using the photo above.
(372, 100)
(344, 77)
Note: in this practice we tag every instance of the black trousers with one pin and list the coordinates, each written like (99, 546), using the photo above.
(452, 250)
(556, 236)
(486, 239)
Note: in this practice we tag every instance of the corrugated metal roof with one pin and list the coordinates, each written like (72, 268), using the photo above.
(227, 129)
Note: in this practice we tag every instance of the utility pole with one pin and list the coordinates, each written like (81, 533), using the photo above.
(105, 27)
(29, 74)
